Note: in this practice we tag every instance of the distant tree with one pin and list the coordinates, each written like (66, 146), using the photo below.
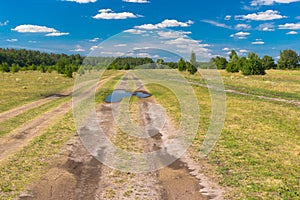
(253, 65)
(192, 69)
(241, 62)
(160, 61)
(220, 62)
(268, 62)
(4, 67)
(232, 65)
(288, 59)
(181, 65)
(193, 59)
(127, 66)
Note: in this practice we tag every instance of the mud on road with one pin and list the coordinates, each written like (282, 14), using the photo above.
(76, 174)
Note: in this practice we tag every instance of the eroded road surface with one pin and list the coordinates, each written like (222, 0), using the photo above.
(76, 174)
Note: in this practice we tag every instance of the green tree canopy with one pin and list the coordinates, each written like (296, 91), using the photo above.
(253, 65)
(181, 65)
(268, 62)
(288, 59)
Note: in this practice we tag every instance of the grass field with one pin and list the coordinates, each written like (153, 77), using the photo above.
(23, 87)
(31, 162)
(258, 153)
(256, 157)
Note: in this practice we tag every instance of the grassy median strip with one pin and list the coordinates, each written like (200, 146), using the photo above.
(11, 124)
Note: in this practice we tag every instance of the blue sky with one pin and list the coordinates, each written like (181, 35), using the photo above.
(211, 27)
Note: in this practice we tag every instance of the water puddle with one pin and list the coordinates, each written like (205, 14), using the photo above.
(118, 95)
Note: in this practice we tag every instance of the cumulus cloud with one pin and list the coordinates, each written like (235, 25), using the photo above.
(292, 33)
(214, 23)
(78, 49)
(173, 34)
(225, 49)
(82, 1)
(227, 17)
(109, 14)
(56, 34)
(262, 16)
(266, 27)
(242, 27)
(28, 28)
(135, 31)
(291, 26)
(243, 51)
(120, 45)
(270, 2)
(94, 39)
(137, 1)
(5, 23)
(165, 24)
(12, 40)
(258, 42)
(240, 35)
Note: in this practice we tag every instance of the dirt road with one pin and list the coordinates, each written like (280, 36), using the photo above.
(78, 175)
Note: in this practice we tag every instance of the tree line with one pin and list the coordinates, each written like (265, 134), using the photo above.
(254, 65)
(13, 60)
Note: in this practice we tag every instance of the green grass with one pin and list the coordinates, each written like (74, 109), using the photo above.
(258, 153)
(276, 83)
(10, 124)
(31, 162)
(24, 87)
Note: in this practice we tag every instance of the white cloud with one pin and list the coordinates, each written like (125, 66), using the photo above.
(78, 49)
(109, 14)
(240, 35)
(290, 26)
(120, 45)
(292, 33)
(165, 24)
(226, 49)
(217, 24)
(12, 40)
(270, 2)
(56, 34)
(243, 51)
(227, 17)
(242, 27)
(173, 34)
(266, 27)
(95, 47)
(137, 1)
(262, 16)
(94, 40)
(5, 23)
(135, 31)
(82, 1)
(258, 42)
(28, 28)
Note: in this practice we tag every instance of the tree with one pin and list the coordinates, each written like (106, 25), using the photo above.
(191, 68)
(193, 59)
(220, 62)
(253, 65)
(232, 65)
(181, 65)
(268, 62)
(160, 61)
(288, 59)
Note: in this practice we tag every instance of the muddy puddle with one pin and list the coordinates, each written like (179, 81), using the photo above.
(117, 95)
